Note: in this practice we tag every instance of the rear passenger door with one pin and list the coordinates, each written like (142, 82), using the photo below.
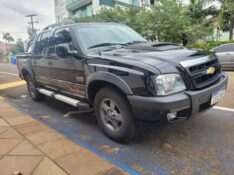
(67, 73)
(40, 60)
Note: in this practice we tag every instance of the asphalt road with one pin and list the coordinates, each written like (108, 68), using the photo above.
(201, 145)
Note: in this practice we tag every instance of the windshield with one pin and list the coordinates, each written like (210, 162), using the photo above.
(97, 36)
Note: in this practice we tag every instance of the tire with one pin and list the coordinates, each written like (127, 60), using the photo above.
(32, 89)
(114, 114)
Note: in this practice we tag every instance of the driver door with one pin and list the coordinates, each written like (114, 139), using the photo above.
(67, 72)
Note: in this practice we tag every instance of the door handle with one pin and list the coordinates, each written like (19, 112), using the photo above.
(50, 62)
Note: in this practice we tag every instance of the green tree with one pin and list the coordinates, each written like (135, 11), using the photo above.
(227, 10)
(200, 9)
(31, 32)
(167, 20)
(8, 38)
(19, 47)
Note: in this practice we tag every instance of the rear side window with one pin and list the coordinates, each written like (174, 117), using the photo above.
(225, 48)
(29, 46)
(42, 43)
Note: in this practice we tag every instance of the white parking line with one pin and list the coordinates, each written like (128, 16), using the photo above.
(7, 73)
(224, 109)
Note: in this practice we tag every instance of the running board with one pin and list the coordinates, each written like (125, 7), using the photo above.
(65, 99)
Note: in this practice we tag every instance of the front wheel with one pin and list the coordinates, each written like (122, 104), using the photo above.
(32, 89)
(114, 114)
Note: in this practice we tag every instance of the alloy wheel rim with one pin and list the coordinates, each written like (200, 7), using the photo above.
(111, 114)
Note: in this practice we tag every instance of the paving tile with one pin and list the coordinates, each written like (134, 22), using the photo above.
(48, 167)
(11, 133)
(31, 127)
(59, 147)
(3, 128)
(83, 162)
(23, 164)
(42, 136)
(3, 123)
(20, 120)
(10, 112)
(25, 148)
(8, 144)
(4, 105)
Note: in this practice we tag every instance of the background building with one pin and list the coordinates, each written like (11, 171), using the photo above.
(68, 8)
(61, 12)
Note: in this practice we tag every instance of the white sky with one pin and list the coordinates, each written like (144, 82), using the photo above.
(13, 12)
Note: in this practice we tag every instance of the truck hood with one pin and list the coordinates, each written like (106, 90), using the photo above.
(166, 58)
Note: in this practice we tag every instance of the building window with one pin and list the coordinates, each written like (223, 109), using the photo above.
(135, 2)
(84, 11)
(148, 2)
(110, 3)
(152, 2)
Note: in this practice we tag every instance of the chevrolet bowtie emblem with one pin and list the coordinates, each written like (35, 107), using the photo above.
(210, 70)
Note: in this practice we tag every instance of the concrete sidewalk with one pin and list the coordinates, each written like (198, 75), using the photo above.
(29, 147)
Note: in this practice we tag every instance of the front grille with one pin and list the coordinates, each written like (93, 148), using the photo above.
(202, 67)
(200, 77)
(204, 78)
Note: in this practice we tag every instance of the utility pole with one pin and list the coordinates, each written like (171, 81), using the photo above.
(32, 22)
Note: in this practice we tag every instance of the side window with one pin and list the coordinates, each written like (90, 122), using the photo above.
(30, 48)
(225, 48)
(42, 43)
(61, 36)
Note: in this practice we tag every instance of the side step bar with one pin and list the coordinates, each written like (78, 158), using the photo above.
(65, 99)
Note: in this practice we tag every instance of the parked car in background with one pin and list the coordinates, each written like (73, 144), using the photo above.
(225, 54)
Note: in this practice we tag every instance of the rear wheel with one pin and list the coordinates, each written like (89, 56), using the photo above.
(32, 89)
(114, 114)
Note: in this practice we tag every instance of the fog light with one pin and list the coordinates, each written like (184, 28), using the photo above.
(171, 116)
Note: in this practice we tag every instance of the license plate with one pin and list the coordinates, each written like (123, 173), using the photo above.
(216, 96)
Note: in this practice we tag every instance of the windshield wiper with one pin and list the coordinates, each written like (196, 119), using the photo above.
(134, 42)
(105, 45)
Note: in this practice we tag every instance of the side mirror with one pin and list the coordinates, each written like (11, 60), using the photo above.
(61, 51)
(64, 51)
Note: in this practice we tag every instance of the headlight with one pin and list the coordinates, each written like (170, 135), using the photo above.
(168, 84)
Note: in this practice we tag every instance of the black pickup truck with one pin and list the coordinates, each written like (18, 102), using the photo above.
(111, 68)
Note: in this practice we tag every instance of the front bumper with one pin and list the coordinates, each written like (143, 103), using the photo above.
(186, 104)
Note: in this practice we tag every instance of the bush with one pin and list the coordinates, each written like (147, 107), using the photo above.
(209, 45)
